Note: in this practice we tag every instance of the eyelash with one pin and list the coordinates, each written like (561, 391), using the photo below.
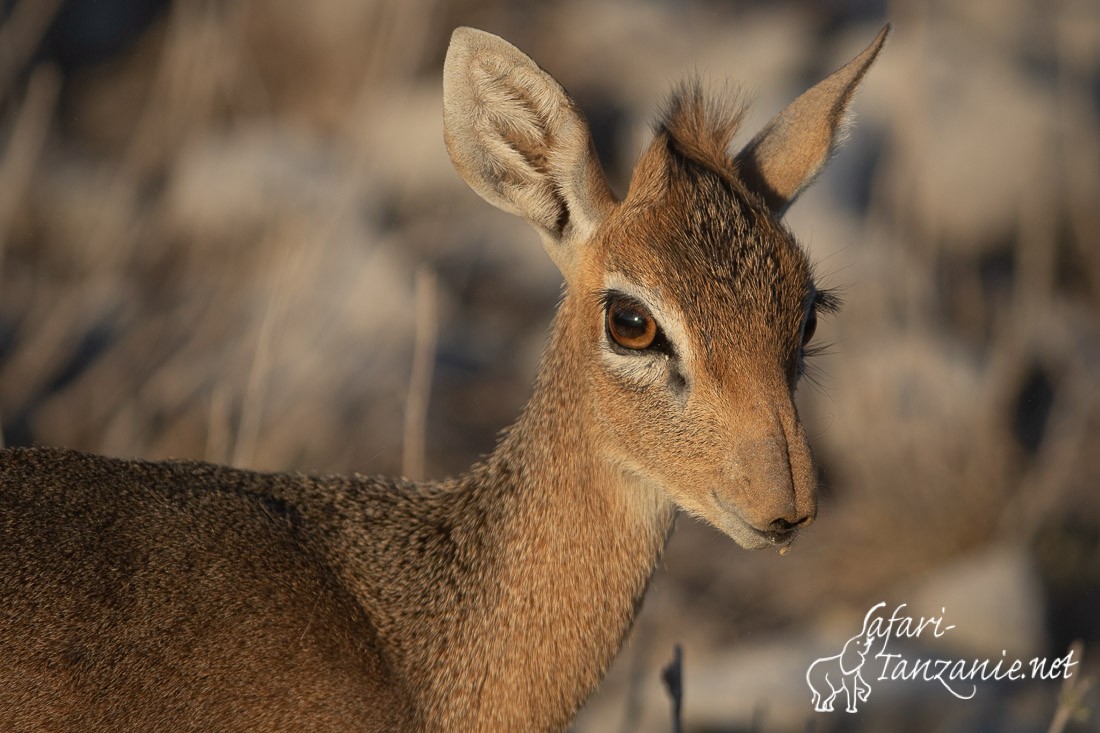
(825, 302)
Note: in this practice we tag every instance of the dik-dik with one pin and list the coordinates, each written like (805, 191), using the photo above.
(182, 595)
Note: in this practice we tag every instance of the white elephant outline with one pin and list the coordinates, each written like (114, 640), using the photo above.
(843, 672)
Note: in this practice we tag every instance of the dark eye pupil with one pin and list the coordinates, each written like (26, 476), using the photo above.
(629, 323)
(810, 327)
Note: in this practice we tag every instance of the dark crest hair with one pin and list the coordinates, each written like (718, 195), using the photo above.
(700, 124)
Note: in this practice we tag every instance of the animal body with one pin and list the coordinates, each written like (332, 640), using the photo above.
(182, 595)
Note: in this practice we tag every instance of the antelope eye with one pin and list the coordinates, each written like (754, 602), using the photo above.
(810, 327)
(630, 325)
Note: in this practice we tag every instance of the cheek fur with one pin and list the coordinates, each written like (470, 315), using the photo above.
(635, 372)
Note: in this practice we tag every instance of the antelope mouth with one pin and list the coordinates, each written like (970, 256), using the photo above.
(733, 523)
(786, 537)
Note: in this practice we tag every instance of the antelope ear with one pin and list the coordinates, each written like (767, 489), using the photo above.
(786, 155)
(521, 143)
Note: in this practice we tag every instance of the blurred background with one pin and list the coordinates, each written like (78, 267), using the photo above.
(228, 227)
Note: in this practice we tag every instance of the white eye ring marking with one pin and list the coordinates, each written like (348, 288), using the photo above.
(646, 367)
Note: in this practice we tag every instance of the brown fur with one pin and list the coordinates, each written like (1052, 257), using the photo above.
(156, 596)
(701, 126)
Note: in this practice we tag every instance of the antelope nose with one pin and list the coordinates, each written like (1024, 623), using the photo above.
(784, 525)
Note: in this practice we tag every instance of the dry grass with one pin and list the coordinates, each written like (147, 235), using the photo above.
(212, 253)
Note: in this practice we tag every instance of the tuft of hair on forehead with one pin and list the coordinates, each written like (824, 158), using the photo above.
(700, 123)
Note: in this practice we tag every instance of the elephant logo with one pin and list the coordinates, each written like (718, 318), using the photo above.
(829, 676)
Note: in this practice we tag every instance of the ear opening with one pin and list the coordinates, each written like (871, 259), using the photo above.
(790, 151)
(520, 141)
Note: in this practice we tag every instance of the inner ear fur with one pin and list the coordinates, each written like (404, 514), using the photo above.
(785, 156)
(521, 143)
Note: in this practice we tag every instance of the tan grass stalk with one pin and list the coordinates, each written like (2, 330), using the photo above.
(20, 34)
(24, 147)
(420, 381)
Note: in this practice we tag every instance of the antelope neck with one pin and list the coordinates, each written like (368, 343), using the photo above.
(578, 541)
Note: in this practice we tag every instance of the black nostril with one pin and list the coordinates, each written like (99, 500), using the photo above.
(782, 525)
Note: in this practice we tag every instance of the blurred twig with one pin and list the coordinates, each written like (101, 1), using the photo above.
(20, 34)
(673, 677)
(218, 426)
(632, 713)
(25, 144)
(24, 147)
(248, 430)
(193, 75)
(420, 381)
(399, 40)
(1079, 122)
(1071, 699)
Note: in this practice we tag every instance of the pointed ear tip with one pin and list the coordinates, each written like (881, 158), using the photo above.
(464, 37)
(460, 40)
(880, 39)
(463, 33)
(869, 54)
(465, 42)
